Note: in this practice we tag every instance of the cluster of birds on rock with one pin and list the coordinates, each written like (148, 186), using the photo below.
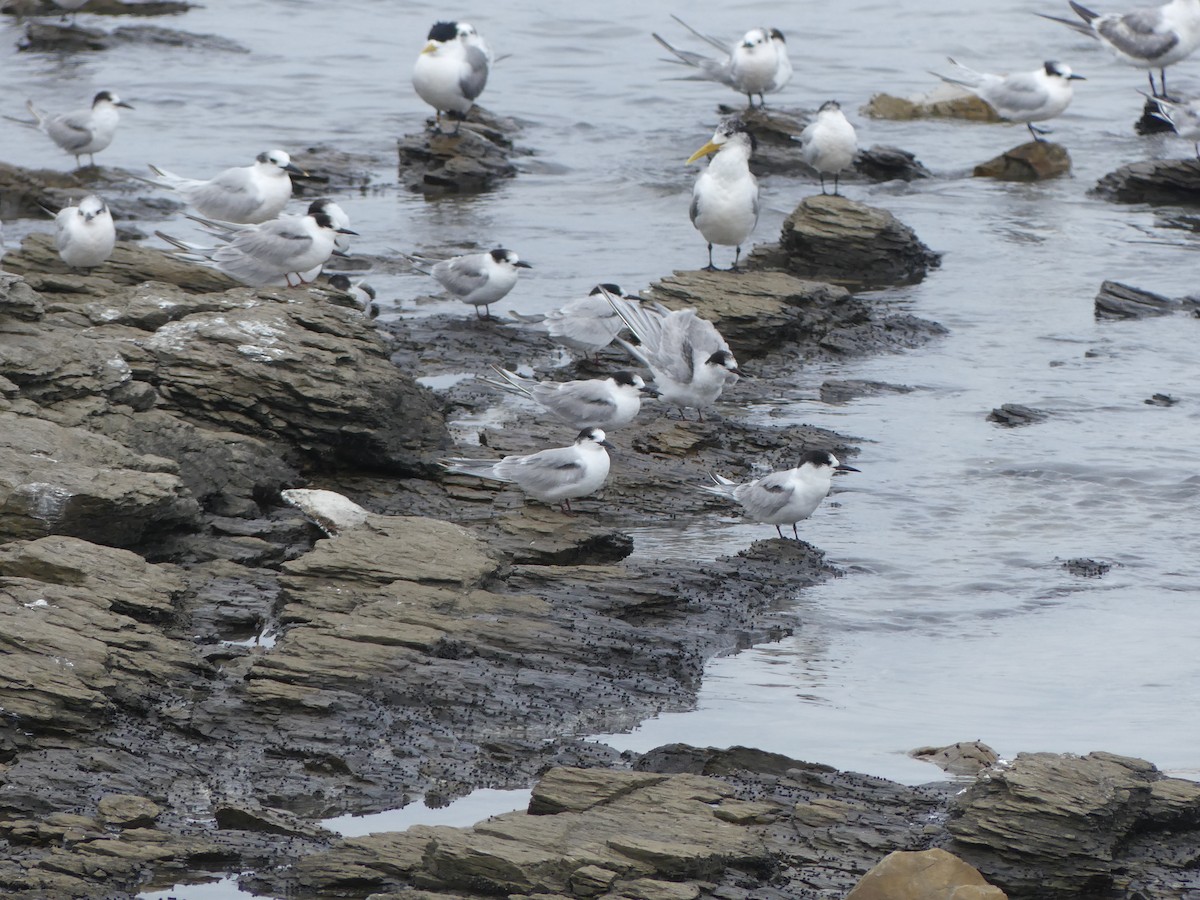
(253, 241)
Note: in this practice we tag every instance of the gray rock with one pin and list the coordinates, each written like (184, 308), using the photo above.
(883, 163)
(128, 811)
(1015, 415)
(470, 160)
(962, 758)
(1031, 161)
(944, 102)
(1122, 301)
(1173, 181)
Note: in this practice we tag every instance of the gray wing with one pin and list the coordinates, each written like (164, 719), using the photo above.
(1018, 92)
(766, 496)
(594, 322)
(229, 196)
(473, 83)
(544, 472)
(263, 254)
(710, 69)
(577, 401)
(694, 209)
(461, 275)
(707, 38)
(1137, 33)
(70, 130)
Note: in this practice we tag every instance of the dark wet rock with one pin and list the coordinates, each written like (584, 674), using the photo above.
(1031, 161)
(1122, 301)
(845, 390)
(1160, 400)
(471, 160)
(1052, 826)
(97, 8)
(331, 170)
(1014, 415)
(835, 239)
(42, 36)
(1175, 181)
(777, 139)
(236, 816)
(1087, 568)
(944, 102)
(924, 875)
(883, 163)
(38, 193)
(1150, 122)
(962, 758)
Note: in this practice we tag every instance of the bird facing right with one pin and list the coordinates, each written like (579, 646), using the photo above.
(480, 278)
(787, 497)
(829, 143)
(451, 69)
(1023, 96)
(84, 130)
(609, 403)
(725, 196)
(246, 195)
(85, 234)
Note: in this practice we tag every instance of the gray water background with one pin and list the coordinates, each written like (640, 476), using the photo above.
(955, 620)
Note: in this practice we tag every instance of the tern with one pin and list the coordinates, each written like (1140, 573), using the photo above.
(551, 476)
(725, 196)
(479, 278)
(757, 64)
(246, 195)
(85, 234)
(1024, 96)
(1183, 116)
(452, 69)
(784, 498)
(829, 143)
(1150, 38)
(82, 131)
(587, 324)
(608, 403)
(690, 362)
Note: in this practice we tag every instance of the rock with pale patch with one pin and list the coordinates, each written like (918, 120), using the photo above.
(924, 875)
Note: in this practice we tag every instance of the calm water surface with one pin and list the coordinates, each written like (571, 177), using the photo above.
(955, 620)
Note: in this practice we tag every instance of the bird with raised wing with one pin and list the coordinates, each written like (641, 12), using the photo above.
(787, 497)
(587, 324)
(757, 64)
(1183, 116)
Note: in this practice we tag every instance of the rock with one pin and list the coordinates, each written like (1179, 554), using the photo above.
(331, 170)
(835, 239)
(576, 790)
(1172, 181)
(128, 811)
(944, 102)
(54, 37)
(1052, 825)
(1122, 301)
(29, 193)
(882, 163)
(845, 390)
(1014, 415)
(963, 758)
(1031, 161)
(248, 817)
(98, 8)
(1087, 568)
(332, 512)
(1160, 400)
(468, 161)
(924, 875)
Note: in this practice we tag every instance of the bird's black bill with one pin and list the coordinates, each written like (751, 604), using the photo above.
(842, 468)
(521, 264)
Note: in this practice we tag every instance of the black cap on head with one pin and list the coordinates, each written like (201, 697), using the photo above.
(605, 286)
(624, 377)
(318, 205)
(323, 219)
(817, 458)
(103, 95)
(443, 31)
(776, 33)
(829, 104)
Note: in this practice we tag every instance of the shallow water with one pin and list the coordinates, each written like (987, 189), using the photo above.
(955, 620)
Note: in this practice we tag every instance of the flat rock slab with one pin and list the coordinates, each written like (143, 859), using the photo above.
(97, 8)
(943, 102)
(924, 875)
(473, 159)
(1166, 181)
(29, 193)
(51, 36)
(1031, 161)
(1123, 301)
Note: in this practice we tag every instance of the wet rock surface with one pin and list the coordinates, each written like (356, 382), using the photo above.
(1123, 301)
(1031, 161)
(468, 159)
(1015, 415)
(1153, 181)
(44, 36)
(943, 102)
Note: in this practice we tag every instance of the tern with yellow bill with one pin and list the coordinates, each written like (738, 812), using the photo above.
(725, 197)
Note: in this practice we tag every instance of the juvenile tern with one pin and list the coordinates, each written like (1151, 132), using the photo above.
(1150, 38)
(725, 196)
(281, 251)
(689, 360)
(608, 403)
(551, 476)
(784, 498)
(243, 194)
(829, 143)
(480, 278)
(85, 234)
(587, 324)
(84, 130)
(1183, 116)
(1024, 96)
(757, 64)
(452, 69)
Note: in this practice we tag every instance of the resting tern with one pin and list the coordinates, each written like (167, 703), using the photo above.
(243, 194)
(1024, 96)
(1150, 38)
(452, 69)
(829, 143)
(1184, 117)
(757, 64)
(587, 324)
(85, 234)
(784, 498)
(725, 197)
(552, 476)
(84, 130)
(689, 360)
(608, 403)
(479, 278)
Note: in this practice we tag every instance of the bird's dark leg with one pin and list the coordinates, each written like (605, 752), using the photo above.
(780, 531)
(836, 177)
(795, 533)
(1153, 89)
(762, 101)
(822, 176)
(701, 413)
(1197, 149)
(710, 267)
(1162, 77)
(737, 255)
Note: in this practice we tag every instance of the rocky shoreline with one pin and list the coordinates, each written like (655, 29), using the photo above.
(195, 674)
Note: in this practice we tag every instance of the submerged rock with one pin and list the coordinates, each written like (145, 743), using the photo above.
(1122, 301)
(835, 239)
(1031, 161)
(470, 160)
(963, 758)
(1015, 415)
(1153, 181)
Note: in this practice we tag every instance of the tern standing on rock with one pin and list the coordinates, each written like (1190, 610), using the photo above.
(587, 324)
(452, 69)
(552, 476)
(829, 144)
(607, 403)
(725, 197)
(247, 195)
(85, 234)
(757, 64)
(480, 278)
(1022, 97)
(84, 130)
(784, 498)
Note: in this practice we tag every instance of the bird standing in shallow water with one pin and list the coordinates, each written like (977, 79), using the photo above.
(725, 196)
(452, 69)
(829, 143)
(784, 498)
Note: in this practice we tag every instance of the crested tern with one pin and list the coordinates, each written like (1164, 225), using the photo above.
(757, 64)
(725, 196)
(452, 69)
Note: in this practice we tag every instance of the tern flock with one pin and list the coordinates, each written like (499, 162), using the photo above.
(689, 362)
